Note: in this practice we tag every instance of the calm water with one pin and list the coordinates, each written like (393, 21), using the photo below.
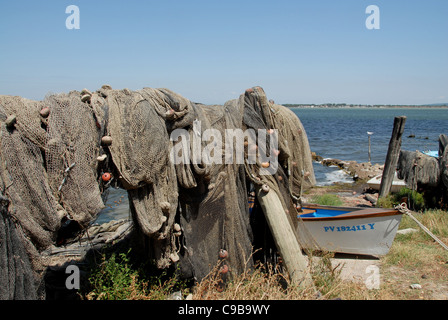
(342, 133)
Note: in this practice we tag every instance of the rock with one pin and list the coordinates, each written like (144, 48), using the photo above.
(175, 296)
(316, 157)
(407, 231)
(371, 198)
(416, 286)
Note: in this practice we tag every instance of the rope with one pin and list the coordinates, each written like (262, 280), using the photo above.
(404, 209)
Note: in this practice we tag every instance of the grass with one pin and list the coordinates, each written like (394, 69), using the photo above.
(327, 199)
(419, 250)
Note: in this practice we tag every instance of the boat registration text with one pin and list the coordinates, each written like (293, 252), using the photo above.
(362, 227)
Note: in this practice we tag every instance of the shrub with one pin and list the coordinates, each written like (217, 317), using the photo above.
(327, 199)
(413, 199)
(116, 279)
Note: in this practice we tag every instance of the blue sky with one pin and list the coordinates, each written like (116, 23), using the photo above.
(211, 51)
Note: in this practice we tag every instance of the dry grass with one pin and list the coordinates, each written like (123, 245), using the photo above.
(266, 282)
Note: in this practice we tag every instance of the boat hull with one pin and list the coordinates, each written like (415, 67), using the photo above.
(363, 232)
(397, 184)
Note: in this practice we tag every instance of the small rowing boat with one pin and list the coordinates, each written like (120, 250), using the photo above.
(397, 184)
(364, 231)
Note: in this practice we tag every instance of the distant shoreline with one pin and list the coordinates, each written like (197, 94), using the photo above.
(355, 106)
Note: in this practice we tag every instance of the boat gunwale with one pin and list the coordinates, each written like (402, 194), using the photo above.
(354, 213)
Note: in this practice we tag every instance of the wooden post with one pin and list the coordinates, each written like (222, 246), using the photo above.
(392, 156)
(369, 134)
(285, 238)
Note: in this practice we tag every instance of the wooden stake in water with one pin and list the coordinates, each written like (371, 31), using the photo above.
(370, 134)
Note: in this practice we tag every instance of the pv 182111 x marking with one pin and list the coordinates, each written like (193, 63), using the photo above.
(361, 227)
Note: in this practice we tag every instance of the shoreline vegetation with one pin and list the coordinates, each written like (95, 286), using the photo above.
(361, 106)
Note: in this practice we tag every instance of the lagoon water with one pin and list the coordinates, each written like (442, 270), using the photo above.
(341, 133)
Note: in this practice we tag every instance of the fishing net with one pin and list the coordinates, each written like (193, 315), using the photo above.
(60, 156)
(418, 169)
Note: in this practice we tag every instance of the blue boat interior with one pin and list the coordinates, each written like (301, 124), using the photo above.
(323, 213)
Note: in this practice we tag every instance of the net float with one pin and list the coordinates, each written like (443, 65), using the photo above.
(177, 227)
(223, 254)
(174, 257)
(106, 177)
(165, 206)
(102, 158)
(86, 91)
(45, 112)
(11, 121)
(106, 141)
(265, 188)
(265, 165)
(253, 147)
(224, 269)
(86, 98)
(169, 114)
(220, 286)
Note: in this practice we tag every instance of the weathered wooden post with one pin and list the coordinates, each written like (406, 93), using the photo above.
(392, 156)
(370, 153)
(284, 237)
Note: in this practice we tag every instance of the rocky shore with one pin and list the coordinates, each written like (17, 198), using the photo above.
(359, 171)
(356, 194)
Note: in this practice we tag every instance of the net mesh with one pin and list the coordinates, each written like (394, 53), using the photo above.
(55, 154)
